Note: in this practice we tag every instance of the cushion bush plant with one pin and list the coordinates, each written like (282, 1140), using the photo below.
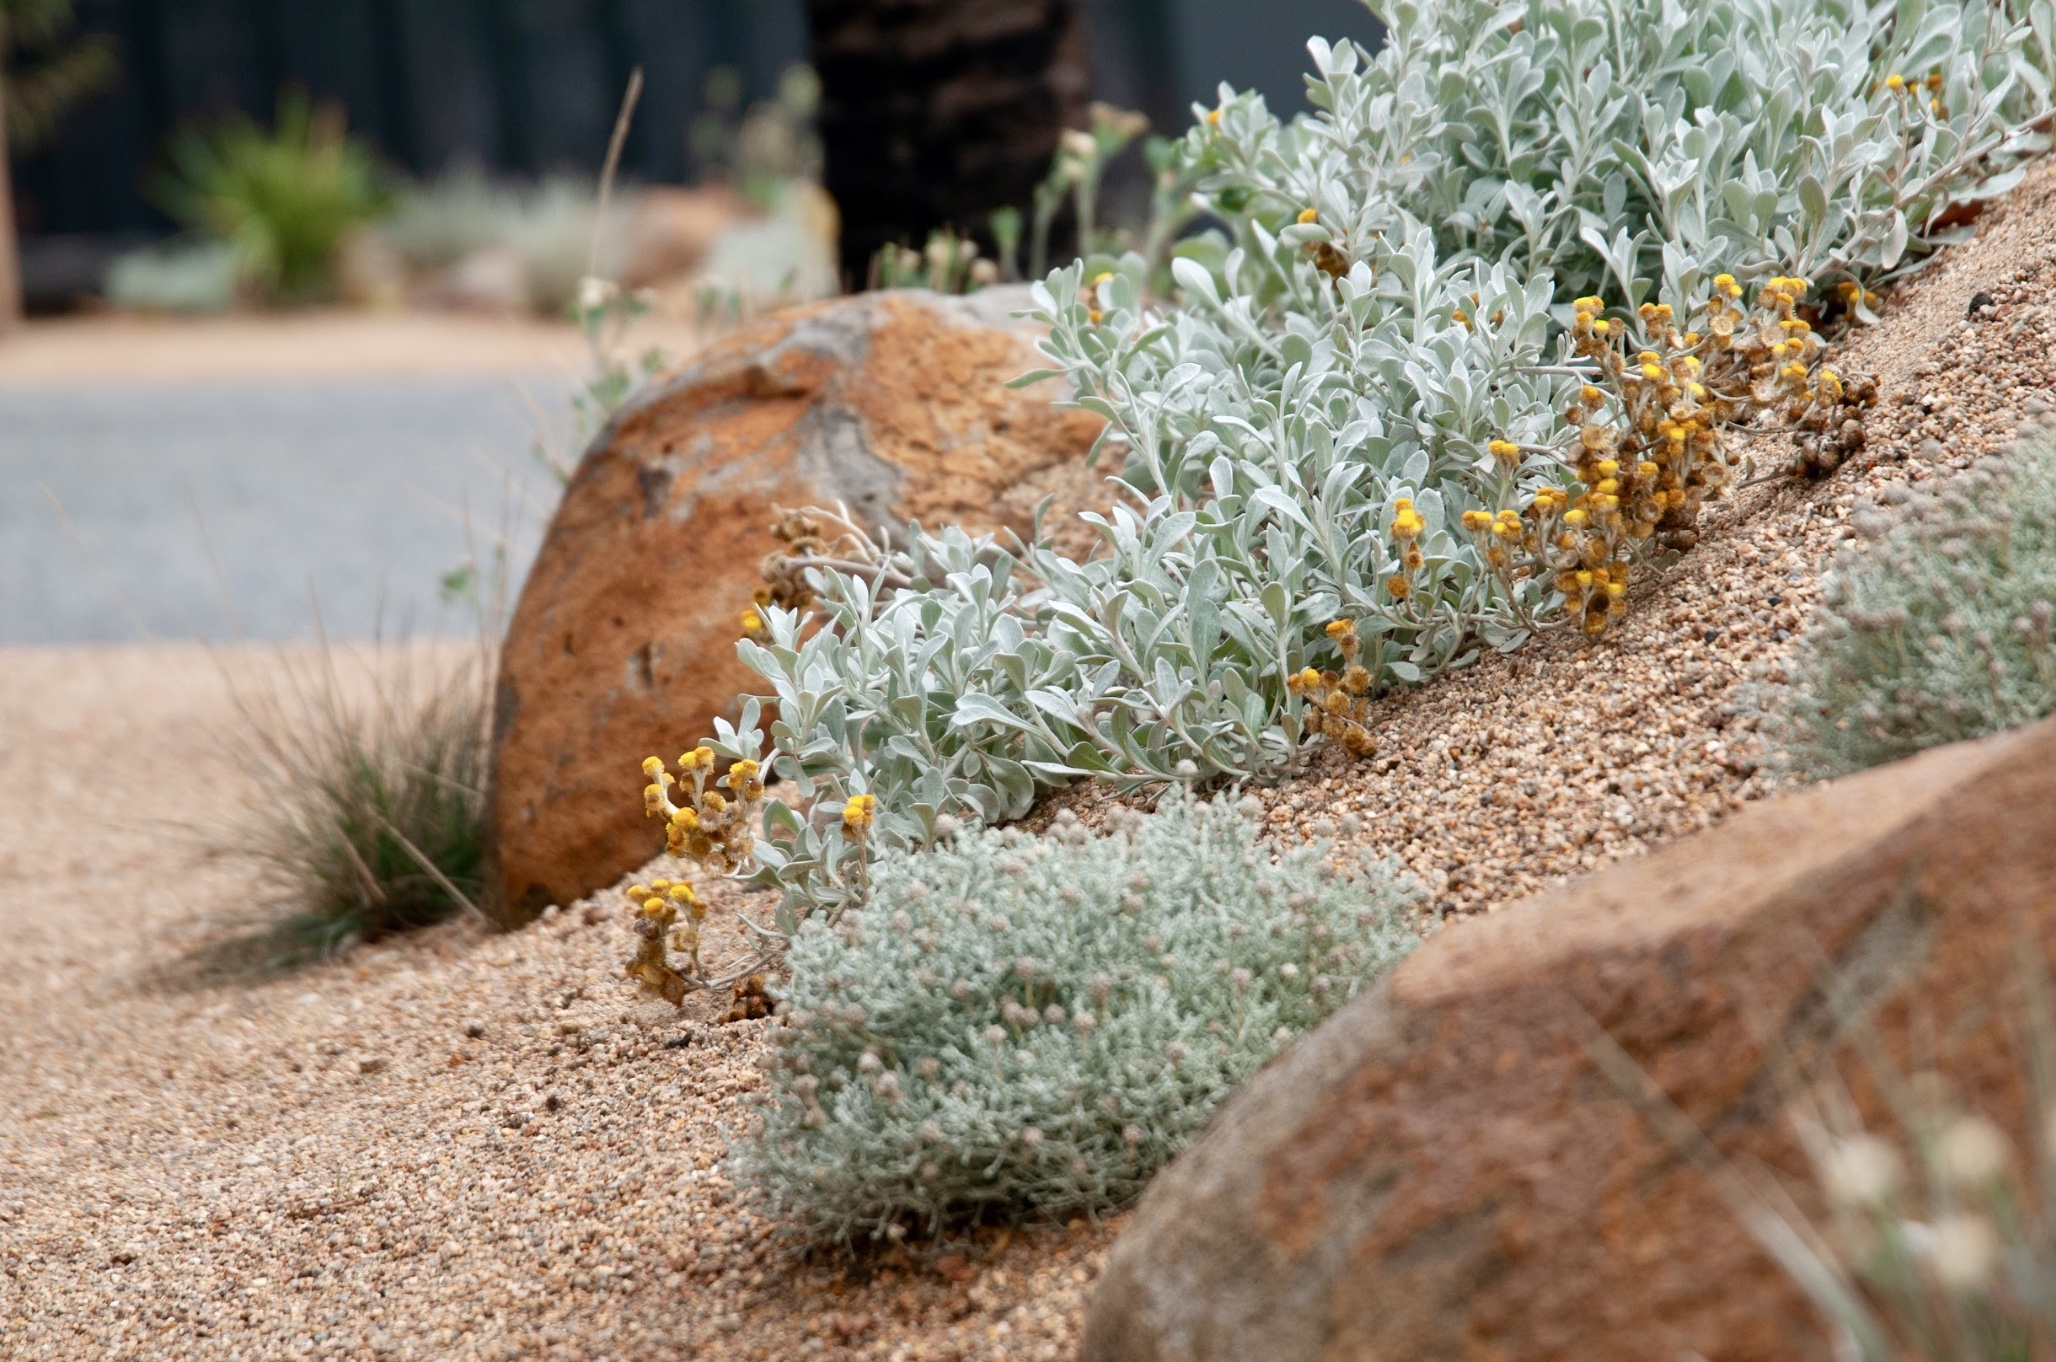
(1032, 1025)
(1936, 624)
(1460, 368)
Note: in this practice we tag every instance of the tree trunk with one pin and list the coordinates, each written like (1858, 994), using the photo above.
(936, 112)
(10, 257)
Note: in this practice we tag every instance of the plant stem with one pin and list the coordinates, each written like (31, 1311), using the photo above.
(613, 163)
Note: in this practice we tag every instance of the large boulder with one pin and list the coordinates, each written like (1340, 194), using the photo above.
(1443, 1170)
(623, 641)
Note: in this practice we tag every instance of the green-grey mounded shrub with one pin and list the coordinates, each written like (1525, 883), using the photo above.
(1373, 406)
(1030, 1026)
(1935, 625)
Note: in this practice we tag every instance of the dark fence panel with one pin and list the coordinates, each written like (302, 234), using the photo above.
(520, 86)
(524, 86)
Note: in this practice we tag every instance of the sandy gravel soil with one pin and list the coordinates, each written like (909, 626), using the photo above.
(459, 1145)
(462, 1145)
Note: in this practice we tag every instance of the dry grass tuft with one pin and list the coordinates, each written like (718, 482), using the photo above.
(367, 779)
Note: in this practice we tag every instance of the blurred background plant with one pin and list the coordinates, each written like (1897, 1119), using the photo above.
(284, 198)
(1936, 623)
(952, 261)
(948, 264)
(765, 150)
(45, 69)
(507, 246)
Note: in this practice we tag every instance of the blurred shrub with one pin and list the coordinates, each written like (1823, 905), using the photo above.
(547, 227)
(765, 149)
(1023, 1026)
(283, 198)
(46, 68)
(434, 225)
(184, 276)
(1936, 625)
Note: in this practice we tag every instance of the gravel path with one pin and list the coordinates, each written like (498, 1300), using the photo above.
(461, 1145)
(353, 494)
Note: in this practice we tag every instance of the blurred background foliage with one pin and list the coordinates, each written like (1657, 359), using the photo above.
(499, 111)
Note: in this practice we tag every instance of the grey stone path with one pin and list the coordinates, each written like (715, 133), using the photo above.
(349, 493)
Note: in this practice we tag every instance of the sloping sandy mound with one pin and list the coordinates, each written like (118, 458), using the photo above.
(330, 1163)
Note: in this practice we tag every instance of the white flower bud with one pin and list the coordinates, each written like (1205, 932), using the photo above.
(1862, 1171)
(995, 1036)
(1964, 1249)
(1971, 1152)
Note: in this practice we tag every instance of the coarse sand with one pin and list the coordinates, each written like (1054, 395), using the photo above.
(466, 1145)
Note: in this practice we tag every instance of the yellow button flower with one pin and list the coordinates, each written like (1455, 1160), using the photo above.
(859, 812)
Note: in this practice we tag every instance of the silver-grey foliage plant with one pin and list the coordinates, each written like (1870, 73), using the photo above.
(1022, 1025)
(1936, 625)
(1388, 303)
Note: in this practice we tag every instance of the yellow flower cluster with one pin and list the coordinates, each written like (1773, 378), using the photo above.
(1648, 450)
(713, 828)
(1338, 703)
(1406, 528)
(657, 906)
(859, 812)
(1900, 86)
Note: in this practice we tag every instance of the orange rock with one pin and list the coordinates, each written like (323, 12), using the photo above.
(623, 642)
(1442, 1170)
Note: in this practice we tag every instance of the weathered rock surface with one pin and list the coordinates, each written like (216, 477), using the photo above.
(1442, 1170)
(623, 641)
